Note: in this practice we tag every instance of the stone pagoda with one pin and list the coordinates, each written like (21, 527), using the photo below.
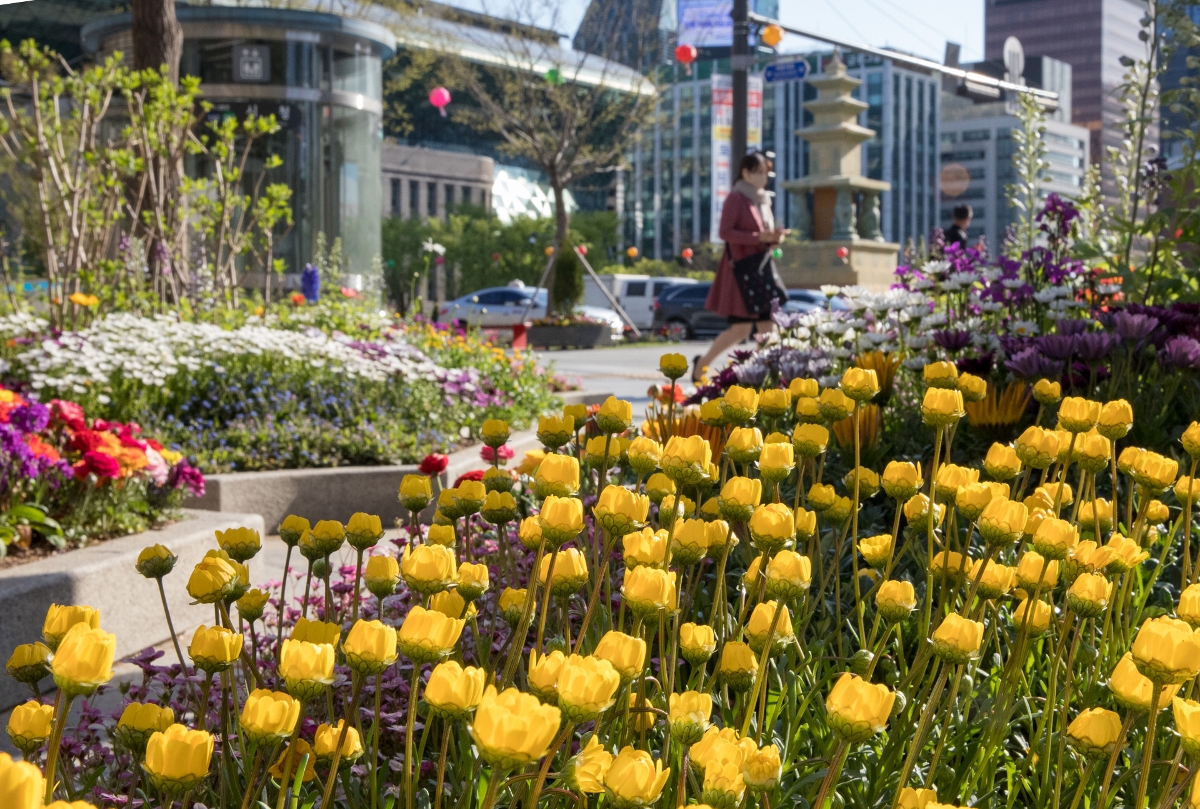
(835, 205)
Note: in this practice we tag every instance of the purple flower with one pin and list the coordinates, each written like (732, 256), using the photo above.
(752, 374)
(1181, 352)
(1095, 346)
(1134, 328)
(1058, 346)
(31, 417)
(185, 474)
(310, 283)
(952, 339)
(1030, 364)
(1072, 326)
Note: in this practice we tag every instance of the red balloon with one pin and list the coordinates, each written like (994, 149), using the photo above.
(686, 54)
(843, 252)
(687, 253)
(440, 98)
(582, 249)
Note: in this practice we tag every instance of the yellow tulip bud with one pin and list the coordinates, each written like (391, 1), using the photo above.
(214, 649)
(895, 600)
(1047, 392)
(83, 660)
(1133, 690)
(513, 729)
(645, 547)
(307, 668)
(619, 511)
(901, 479)
(834, 405)
(1095, 732)
(453, 691)
(427, 636)
(957, 639)
(60, 619)
(858, 709)
(269, 715)
(635, 779)
(325, 742)
(940, 375)
(177, 758)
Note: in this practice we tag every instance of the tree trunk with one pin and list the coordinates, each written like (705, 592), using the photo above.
(157, 37)
(562, 221)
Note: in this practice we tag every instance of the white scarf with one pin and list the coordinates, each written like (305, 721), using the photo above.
(760, 197)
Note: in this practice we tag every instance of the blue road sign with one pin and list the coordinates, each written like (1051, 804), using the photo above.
(786, 71)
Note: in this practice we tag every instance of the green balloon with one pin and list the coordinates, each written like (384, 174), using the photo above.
(777, 252)
(554, 76)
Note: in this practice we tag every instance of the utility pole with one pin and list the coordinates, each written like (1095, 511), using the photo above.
(740, 62)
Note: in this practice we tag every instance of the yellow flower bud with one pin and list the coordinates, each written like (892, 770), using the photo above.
(494, 432)
(29, 662)
(21, 784)
(868, 481)
(1078, 415)
(658, 487)
(429, 569)
(381, 575)
(415, 492)
(325, 742)
(645, 454)
(212, 580)
(690, 542)
(697, 643)
(804, 388)
(723, 784)
(453, 691)
(328, 536)
(917, 512)
(876, 550)
(557, 475)
(1047, 392)
(646, 547)
(911, 798)
(543, 675)
(942, 407)
(957, 639)
(60, 619)
(775, 402)
(177, 758)
(269, 715)
(951, 478)
(941, 375)
(712, 414)
(1166, 650)
(1037, 448)
(370, 647)
(772, 526)
(834, 405)
(994, 579)
(29, 726)
(972, 498)
(1089, 594)
(1191, 440)
(739, 497)
(763, 769)
(1116, 419)
(307, 668)
(83, 660)
(738, 666)
(619, 511)
(648, 590)
(860, 384)
(776, 461)
(1036, 620)
(1133, 690)
(614, 416)
(586, 687)
(1002, 521)
(214, 649)
(973, 388)
(895, 600)
(155, 561)
(1030, 571)
(240, 543)
(570, 571)
(427, 635)
(293, 528)
(739, 404)
(533, 459)
(586, 770)
(1002, 462)
(1095, 732)
(858, 709)
(789, 575)
(1096, 516)
(1187, 723)
(635, 779)
(1054, 538)
(758, 627)
(901, 479)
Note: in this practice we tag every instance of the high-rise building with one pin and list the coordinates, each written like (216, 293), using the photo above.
(637, 33)
(1174, 122)
(977, 149)
(666, 199)
(1089, 35)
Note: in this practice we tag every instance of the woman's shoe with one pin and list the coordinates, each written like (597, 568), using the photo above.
(697, 371)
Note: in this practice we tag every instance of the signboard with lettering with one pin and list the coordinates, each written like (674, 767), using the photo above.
(786, 71)
(252, 64)
(723, 164)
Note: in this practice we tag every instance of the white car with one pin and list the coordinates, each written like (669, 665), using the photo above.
(500, 307)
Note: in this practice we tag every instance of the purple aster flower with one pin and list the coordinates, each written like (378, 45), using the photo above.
(952, 339)
(1058, 346)
(1095, 346)
(1134, 328)
(1182, 352)
(979, 366)
(185, 474)
(752, 374)
(1072, 326)
(1030, 364)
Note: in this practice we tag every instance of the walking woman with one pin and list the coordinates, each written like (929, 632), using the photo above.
(748, 229)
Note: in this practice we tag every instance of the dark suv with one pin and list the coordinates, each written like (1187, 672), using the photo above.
(679, 311)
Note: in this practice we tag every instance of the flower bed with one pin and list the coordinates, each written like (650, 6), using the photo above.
(299, 386)
(66, 479)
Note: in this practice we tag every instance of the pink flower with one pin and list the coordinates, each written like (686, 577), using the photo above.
(489, 455)
(98, 464)
(157, 467)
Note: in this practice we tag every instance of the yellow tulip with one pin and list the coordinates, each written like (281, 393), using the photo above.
(1047, 392)
(895, 600)
(214, 649)
(269, 715)
(370, 647)
(957, 639)
(1133, 690)
(648, 590)
(513, 729)
(940, 375)
(453, 691)
(60, 619)
(646, 547)
(557, 475)
(858, 709)
(83, 661)
(561, 519)
(614, 416)
(428, 635)
(570, 571)
(587, 769)
(1166, 650)
(635, 779)
(620, 511)
(586, 687)
(325, 742)
(901, 479)
(689, 714)
(696, 643)
(177, 758)
(1078, 415)
(860, 384)
(1095, 732)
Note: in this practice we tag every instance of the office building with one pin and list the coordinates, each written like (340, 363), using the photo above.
(1089, 35)
(666, 200)
(422, 183)
(1175, 122)
(977, 149)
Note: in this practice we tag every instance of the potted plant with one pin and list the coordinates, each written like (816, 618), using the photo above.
(562, 328)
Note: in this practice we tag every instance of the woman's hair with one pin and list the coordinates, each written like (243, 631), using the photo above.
(753, 162)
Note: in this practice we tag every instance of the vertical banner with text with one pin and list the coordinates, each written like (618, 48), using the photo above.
(723, 164)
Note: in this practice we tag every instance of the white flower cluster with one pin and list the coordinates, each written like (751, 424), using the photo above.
(153, 350)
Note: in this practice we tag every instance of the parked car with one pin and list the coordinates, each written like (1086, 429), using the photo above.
(635, 293)
(503, 307)
(680, 314)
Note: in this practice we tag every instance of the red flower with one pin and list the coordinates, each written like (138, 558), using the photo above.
(87, 441)
(98, 464)
(349, 292)
(489, 455)
(434, 464)
(298, 299)
(68, 413)
(474, 474)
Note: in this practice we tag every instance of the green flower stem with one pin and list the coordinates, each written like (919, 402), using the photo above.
(494, 779)
(594, 598)
(357, 584)
(918, 740)
(62, 709)
(410, 727)
(760, 681)
(1112, 759)
(202, 706)
(516, 640)
(547, 760)
(441, 770)
(330, 612)
(1083, 782)
(831, 775)
(858, 603)
(307, 590)
(541, 632)
(359, 680)
(252, 673)
(375, 731)
(931, 518)
(288, 757)
(950, 703)
(287, 563)
(1148, 748)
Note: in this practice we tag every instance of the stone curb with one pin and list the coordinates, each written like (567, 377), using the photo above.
(104, 576)
(338, 492)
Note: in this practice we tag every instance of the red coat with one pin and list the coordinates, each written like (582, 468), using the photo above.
(741, 223)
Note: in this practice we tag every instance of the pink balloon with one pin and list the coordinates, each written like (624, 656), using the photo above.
(843, 252)
(440, 97)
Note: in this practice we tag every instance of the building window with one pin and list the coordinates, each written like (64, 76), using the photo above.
(976, 134)
(414, 203)
(396, 199)
(431, 202)
(450, 201)
(466, 198)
